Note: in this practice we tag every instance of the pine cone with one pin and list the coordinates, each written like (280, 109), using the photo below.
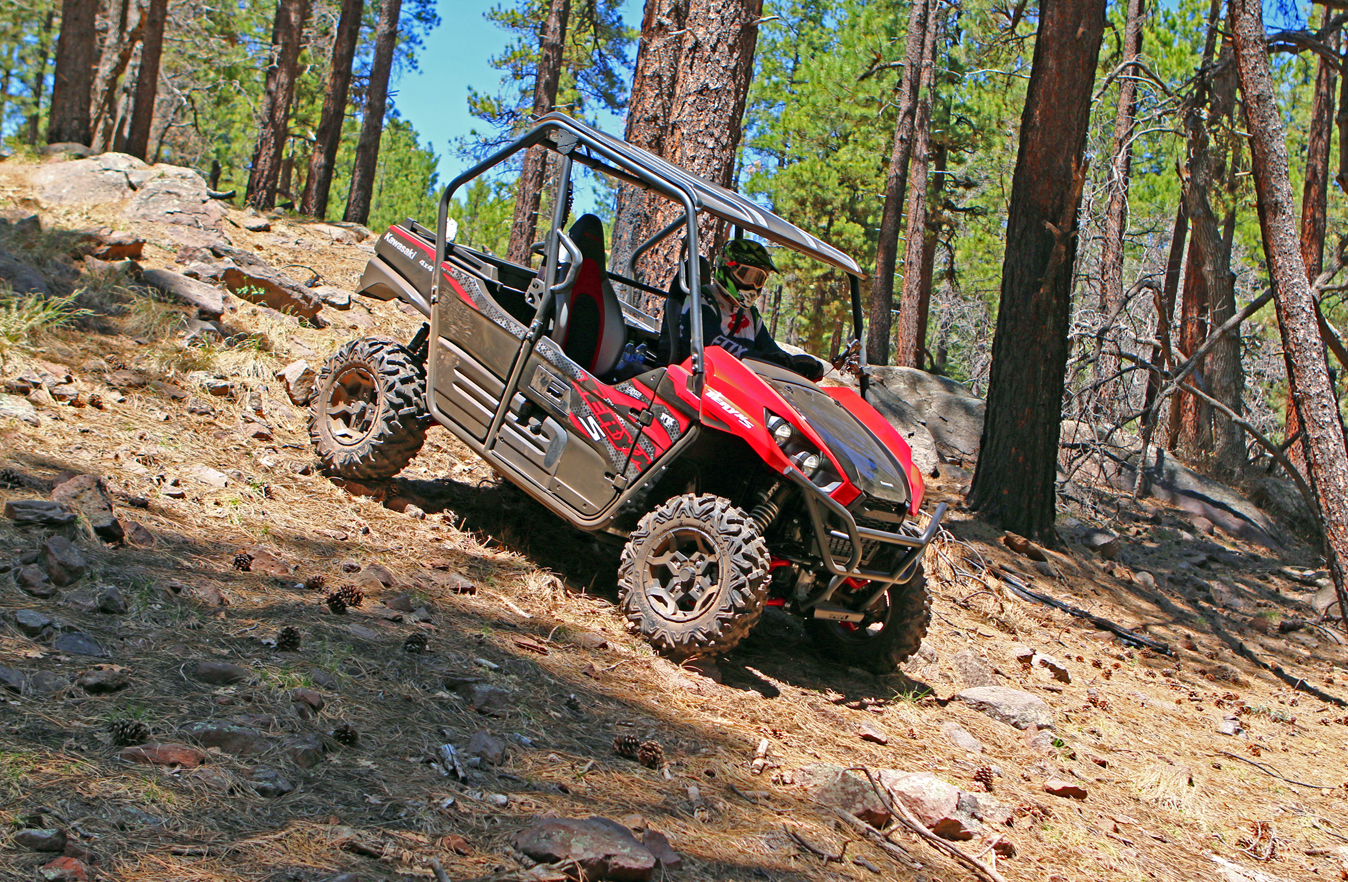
(346, 734)
(984, 777)
(651, 755)
(10, 479)
(128, 732)
(335, 603)
(416, 644)
(243, 562)
(288, 639)
(346, 596)
(627, 746)
(315, 583)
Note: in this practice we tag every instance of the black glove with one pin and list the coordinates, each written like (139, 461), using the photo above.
(808, 367)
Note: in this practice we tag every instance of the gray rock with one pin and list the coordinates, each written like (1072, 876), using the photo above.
(110, 601)
(231, 739)
(299, 381)
(909, 424)
(136, 533)
(1102, 542)
(218, 673)
(102, 679)
(1230, 725)
(41, 840)
(971, 667)
(269, 784)
(598, 847)
(271, 288)
(79, 643)
(197, 330)
(66, 564)
(95, 181)
(22, 278)
(934, 802)
(12, 407)
(835, 786)
(493, 701)
(305, 751)
(34, 580)
(491, 749)
(337, 298)
(13, 680)
(208, 299)
(1056, 669)
(38, 513)
(88, 495)
(1011, 706)
(174, 196)
(959, 737)
(31, 622)
(46, 683)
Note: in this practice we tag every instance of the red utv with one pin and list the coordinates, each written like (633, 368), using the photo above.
(734, 484)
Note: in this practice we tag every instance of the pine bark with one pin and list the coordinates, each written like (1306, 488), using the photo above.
(912, 336)
(896, 185)
(648, 116)
(716, 62)
(118, 48)
(273, 130)
(372, 124)
(1312, 391)
(147, 80)
(1314, 203)
(529, 192)
(68, 120)
(1116, 214)
(329, 135)
(1014, 482)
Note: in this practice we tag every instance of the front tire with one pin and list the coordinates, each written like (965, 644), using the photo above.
(693, 576)
(891, 632)
(369, 414)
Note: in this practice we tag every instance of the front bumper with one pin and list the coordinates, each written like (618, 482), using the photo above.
(835, 527)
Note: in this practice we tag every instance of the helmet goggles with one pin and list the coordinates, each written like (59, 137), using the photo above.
(746, 276)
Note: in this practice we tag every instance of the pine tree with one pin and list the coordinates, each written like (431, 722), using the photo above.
(273, 129)
(372, 122)
(76, 56)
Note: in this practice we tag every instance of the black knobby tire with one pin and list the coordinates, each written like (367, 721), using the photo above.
(693, 576)
(369, 414)
(892, 631)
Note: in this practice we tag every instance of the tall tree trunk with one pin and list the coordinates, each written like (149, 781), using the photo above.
(1116, 215)
(372, 123)
(1190, 421)
(329, 135)
(1228, 375)
(287, 35)
(117, 55)
(896, 185)
(76, 55)
(39, 82)
(1314, 202)
(1312, 391)
(1162, 352)
(529, 194)
(716, 62)
(931, 240)
(1014, 481)
(648, 114)
(912, 338)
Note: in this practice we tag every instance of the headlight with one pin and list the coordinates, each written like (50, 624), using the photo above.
(807, 462)
(781, 430)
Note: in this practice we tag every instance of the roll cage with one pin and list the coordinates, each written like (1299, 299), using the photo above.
(578, 143)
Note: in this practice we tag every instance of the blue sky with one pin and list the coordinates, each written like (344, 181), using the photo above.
(455, 57)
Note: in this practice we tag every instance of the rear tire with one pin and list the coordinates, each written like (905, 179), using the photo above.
(693, 576)
(369, 414)
(887, 637)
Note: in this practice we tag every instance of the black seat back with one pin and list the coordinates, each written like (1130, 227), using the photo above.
(672, 349)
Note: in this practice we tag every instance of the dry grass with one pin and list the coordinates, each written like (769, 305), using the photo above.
(1132, 725)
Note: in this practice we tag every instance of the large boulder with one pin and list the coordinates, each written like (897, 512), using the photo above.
(266, 286)
(910, 424)
(1169, 480)
(22, 278)
(598, 847)
(170, 195)
(1011, 706)
(208, 299)
(94, 181)
(952, 415)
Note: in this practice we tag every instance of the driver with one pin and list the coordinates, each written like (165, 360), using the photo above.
(730, 319)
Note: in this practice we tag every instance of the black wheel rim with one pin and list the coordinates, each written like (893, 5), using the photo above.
(352, 404)
(683, 574)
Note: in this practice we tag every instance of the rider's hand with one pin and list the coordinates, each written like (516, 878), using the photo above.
(808, 367)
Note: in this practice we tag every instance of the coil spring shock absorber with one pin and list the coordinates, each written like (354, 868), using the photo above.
(769, 505)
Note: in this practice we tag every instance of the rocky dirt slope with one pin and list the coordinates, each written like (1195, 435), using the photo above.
(217, 664)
